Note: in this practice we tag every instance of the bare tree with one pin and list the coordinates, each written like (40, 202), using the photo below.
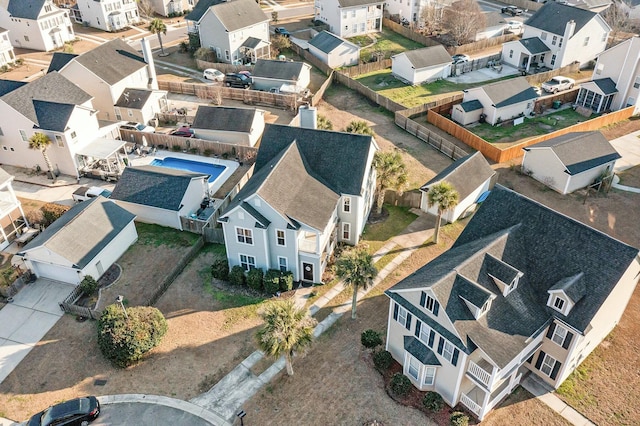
(617, 16)
(431, 17)
(463, 19)
(146, 8)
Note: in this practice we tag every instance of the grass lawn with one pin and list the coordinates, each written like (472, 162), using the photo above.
(387, 42)
(376, 235)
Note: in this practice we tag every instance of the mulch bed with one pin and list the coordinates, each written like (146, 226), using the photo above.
(108, 278)
(374, 217)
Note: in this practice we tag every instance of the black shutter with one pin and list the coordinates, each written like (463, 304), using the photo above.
(423, 298)
(432, 336)
(408, 323)
(540, 359)
(567, 340)
(418, 326)
(530, 359)
(552, 328)
(395, 311)
(454, 360)
(436, 307)
(555, 370)
(440, 345)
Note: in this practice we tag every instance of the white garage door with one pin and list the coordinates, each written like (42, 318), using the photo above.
(54, 272)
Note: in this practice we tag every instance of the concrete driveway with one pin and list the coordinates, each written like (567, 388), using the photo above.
(25, 321)
(628, 146)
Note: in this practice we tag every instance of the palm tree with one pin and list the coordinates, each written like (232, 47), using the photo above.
(446, 197)
(355, 267)
(359, 127)
(324, 123)
(391, 174)
(41, 142)
(286, 330)
(158, 27)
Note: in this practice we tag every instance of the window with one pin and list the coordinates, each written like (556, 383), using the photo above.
(429, 376)
(636, 83)
(401, 315)
(429, 303)
(247, 262)
(346, 231)
(553, 60)
(559, 334)
(548, 364)
(511, 53)
(353, 13)
(560, 44)
(226, 55)
(73, 135)
(23, 135)
(344, 15)
(586, 41)
(600, 68)
(26, 38)
(282, 264)
(558, 303)
(543, 36)
(413, 367)
(346, 205)
(362, 27)
(447, 351)
(346, 28)
(554, 40)
(245, 236)
(129, 113)
(60, 141)
(631, 101)
(280, 237)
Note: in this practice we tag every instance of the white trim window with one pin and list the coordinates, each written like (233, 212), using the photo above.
(59, 141)
(346, 230)
(282, 264)
(547, 365)
(244, 236)
(429, 376)
(413, 367)
(247, 262)
(346, 205)
(447, 350)
(401, 315)
(280, 237)
(559, 334)
(558, 303)
(23, 135)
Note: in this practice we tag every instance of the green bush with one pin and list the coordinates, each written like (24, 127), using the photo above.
(458, 418)
(432, 401)
(236, 275)
(272, 281)
(254, 278)
(400, 384)
(220, 269)
(88, 285)
(370, 339)
(176, 148)
(125, 339)
(286, 281)
(382, 360)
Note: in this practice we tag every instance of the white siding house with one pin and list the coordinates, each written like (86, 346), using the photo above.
(349, 18)
(6, 49)
(172, 7)
(236, 126)
(333, 50)
(272, 74)
(109, 15)
(422, 65)
(10, 211)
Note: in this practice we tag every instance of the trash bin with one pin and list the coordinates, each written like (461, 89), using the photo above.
(557, 104)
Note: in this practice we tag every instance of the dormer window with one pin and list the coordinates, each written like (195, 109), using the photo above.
(429, 303)
(558, 303)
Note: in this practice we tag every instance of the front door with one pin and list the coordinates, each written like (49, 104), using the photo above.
(307, 274)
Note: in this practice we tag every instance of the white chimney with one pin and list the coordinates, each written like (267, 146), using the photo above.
(148, 58)
(308, 117)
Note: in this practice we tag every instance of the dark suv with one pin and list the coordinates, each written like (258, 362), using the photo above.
(237, 80)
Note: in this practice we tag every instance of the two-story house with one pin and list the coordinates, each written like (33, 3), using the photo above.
(36, 24)
(109, 15)
(169, 7)
(414, 11)
(6, 48)
(616, 79)
(523, 290)
(11, 214)
(236, 30)
(349, 18)
(558, 35)
(310, 189)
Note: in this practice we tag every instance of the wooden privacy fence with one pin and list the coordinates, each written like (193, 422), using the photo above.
(225, 68)
(381, 100)
(408, 33)
(365, 68)
(213, 235)
(543, 104)
(539, 78)
(173, 117)
(317, 97)
(406, 199)
(307, 56)
(482, 44)
(68, 305)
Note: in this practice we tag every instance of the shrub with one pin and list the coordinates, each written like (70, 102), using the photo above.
(272, 281)
(370, 339)
(88, 285)
(432, 401)
(382, 360)
(286, 281)
(254, 278)
(220, 269)
(176, 148)
(125, 339)
(400, 384)
(236, 275)
(458, 418)
(51, 212)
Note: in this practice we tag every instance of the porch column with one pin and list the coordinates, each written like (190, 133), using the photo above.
(528, 63)
(15, 200)
(600, 104)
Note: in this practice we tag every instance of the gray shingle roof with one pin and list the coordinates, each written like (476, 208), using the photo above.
(472, 292)
(428, 56)
(83, 231)
(238, 14)
(280, 70)
(251, 42)
(7, 86)
(420, 351)
(326, 42)
(508, 92)
(553, 18)
(224, 118)
(500, 269)
(25, 9)
(51, 87)
(607, 85)
(534, 45)
(52, 115)
(112, 61)
(351, 3)
(465, 174)
(573, 286)
(473, 105)
(133, 98)
(153, 186)
(546, 246)
(59, 60)
(580, 151)
(200, 8)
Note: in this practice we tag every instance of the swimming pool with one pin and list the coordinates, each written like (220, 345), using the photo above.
(215, 170)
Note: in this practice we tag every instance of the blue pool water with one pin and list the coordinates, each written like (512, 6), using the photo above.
(214, 170)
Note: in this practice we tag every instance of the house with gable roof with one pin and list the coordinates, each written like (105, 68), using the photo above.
(171, 7)
(108, 15)
(570, 162)
(333, 50)
(6, 49)
(558, 35)
(237, 126)
(36, 24)
(422, 65)
(310, 189)
(523, 290)
(236, 30)
(349, 18)
(286, 76)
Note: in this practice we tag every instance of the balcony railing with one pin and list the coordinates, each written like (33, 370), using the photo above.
(479, 374)
(470, 404)
(307, 245)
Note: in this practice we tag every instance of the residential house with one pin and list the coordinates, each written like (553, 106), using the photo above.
(597, 6)
(556, 36)
(161, 195)
(471, 176)
(12, 220)
(523, 290)
(501, 101)
(109, 72)
(333, 50)
(494, 26)
(236, 126)
(570, 162)
(108, 15)
(36, 24)
(6, 49)
(272, 74)
(172, 7)
(310, 189)
(86, 240)
(422, 65)
(349, 18)
(236, 30)
(616, 79)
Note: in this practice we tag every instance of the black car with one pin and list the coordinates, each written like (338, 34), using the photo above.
(282, 31)
(512, 10)
(237, 80)
(76, 412)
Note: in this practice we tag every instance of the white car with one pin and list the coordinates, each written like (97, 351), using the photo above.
(213, 74)
(87, 192)
(514, 26)
(138, 127)
(558, 84)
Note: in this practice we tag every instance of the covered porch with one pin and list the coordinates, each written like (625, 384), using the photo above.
(597, 94)
(102, 158)
(253, 49)
(527, 54)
